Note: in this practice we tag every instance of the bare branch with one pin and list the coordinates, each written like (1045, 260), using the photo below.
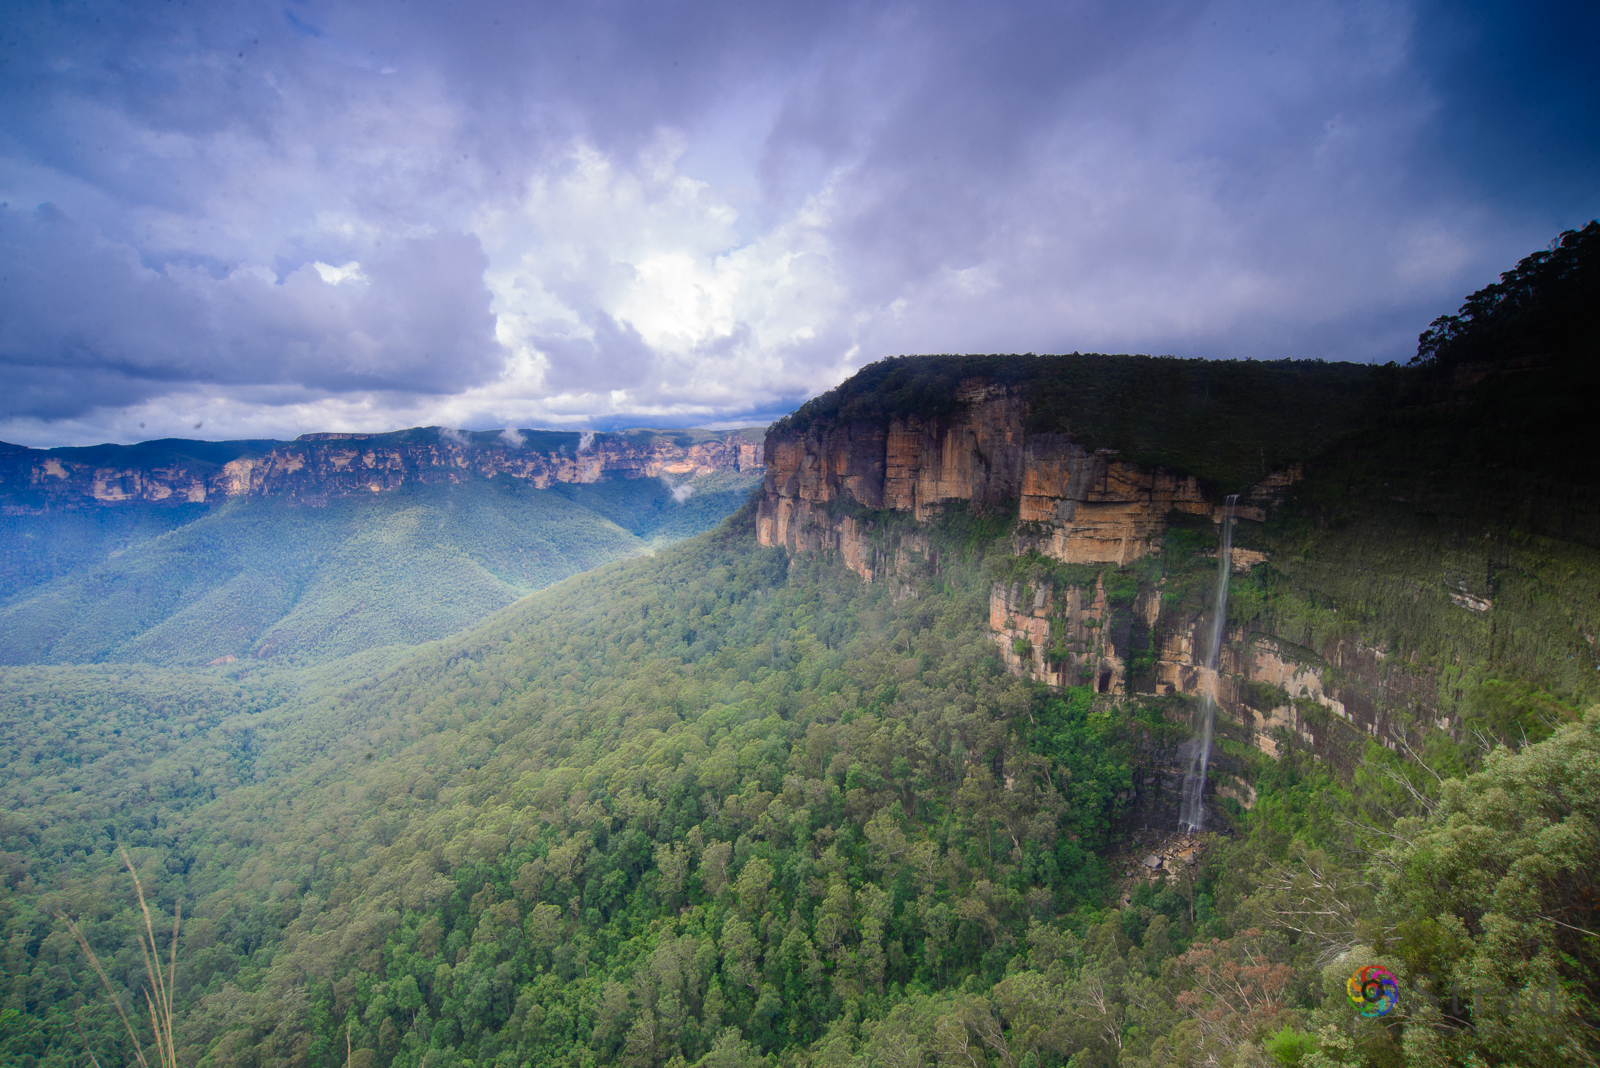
(1568, 926)
(1423, 764)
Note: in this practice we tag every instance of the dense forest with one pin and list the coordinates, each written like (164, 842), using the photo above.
(722, 806)
(182, 585)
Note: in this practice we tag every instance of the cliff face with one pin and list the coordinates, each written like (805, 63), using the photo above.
(1071, 635)
(827, 488)
(316, 467)
(1074, 505)
(908, 466)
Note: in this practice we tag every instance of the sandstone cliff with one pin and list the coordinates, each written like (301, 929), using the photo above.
(1074, 505)
(863, 489)
(316, 467)
(1065, 635)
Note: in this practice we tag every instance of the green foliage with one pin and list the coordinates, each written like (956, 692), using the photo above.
(1035, 569)
(1121, 588)
(1490, 898)
(1290, 1047)
(708, 789)
(1515, 710)
(971, 533)
(260, 579)
(38, 547)
(713, 804)
(1355, 566)
(1263, 695)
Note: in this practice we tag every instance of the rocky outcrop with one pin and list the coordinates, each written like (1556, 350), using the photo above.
(816, 478)
(1075, 505)
(864, 491)
(1092, 508)
(316, 467)
(1058, 635)
(1267, 690)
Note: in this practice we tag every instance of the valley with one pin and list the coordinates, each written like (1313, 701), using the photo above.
(460, 763)
(186, 553)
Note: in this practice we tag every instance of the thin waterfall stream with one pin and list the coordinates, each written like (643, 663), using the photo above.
(1192, 815)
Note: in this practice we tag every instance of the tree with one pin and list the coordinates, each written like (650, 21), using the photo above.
(1239, 985)
(1495, 900)
(1534, 304)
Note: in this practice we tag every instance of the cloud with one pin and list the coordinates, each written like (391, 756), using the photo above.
(358, 217)
(513, 438)
(629, 285)
(598, 356)
(350, 272)
(87, 324)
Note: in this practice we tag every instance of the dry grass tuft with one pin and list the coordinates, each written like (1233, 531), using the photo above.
(158, 998)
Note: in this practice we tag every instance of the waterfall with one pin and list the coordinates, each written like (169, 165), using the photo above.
(1199, 747)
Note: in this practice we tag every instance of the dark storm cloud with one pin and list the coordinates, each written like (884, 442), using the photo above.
(89, 325)
(716, 208)
(1520, 90)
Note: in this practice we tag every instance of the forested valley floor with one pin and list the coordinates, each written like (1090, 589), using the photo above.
(723, 807)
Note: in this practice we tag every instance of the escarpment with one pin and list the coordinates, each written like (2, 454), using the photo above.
(1357, 617)
(1074, 504)
(1273, 691)
(317, 467)
(840, 487)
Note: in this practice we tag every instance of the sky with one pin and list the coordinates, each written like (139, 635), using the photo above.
(229, 220)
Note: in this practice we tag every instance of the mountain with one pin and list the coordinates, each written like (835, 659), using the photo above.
(881, 769)
(315, 468)
(1384, 586)
(184, 553)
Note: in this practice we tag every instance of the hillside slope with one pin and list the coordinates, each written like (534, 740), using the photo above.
(713, 804)
(264, 577)
(674, 750)
(827, 797)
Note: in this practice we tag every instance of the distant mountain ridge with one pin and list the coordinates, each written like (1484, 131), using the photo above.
(185, 552)
(315, 468)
